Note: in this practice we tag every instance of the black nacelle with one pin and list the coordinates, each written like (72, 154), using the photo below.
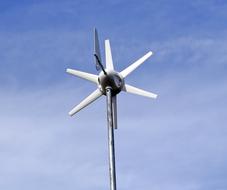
(113, 80)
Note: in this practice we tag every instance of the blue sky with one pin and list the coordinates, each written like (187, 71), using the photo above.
(177, 142)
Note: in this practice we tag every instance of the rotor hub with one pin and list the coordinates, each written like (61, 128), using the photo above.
(112, 80)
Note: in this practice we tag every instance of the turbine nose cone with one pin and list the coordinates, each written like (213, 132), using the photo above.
(113, 80)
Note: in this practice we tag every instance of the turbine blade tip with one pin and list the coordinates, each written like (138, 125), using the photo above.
(154, 96)
(150, 52)
(70, 114)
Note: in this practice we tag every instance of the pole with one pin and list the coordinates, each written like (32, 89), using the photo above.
(112, 170)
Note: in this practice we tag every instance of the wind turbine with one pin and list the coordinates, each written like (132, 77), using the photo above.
(109, 83)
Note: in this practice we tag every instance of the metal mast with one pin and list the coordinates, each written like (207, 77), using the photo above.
(112, 169)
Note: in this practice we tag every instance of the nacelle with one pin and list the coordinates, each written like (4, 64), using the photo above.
(113, 79)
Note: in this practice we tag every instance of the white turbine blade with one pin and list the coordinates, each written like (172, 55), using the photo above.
(114, 108)
(136, 64)
(109, 60)
(91, 98)
(83, 75)
(134, 90)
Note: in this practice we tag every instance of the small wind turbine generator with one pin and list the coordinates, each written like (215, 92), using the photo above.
(110, 83)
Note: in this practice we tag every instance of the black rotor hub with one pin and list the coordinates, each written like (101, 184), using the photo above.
(112, 80)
